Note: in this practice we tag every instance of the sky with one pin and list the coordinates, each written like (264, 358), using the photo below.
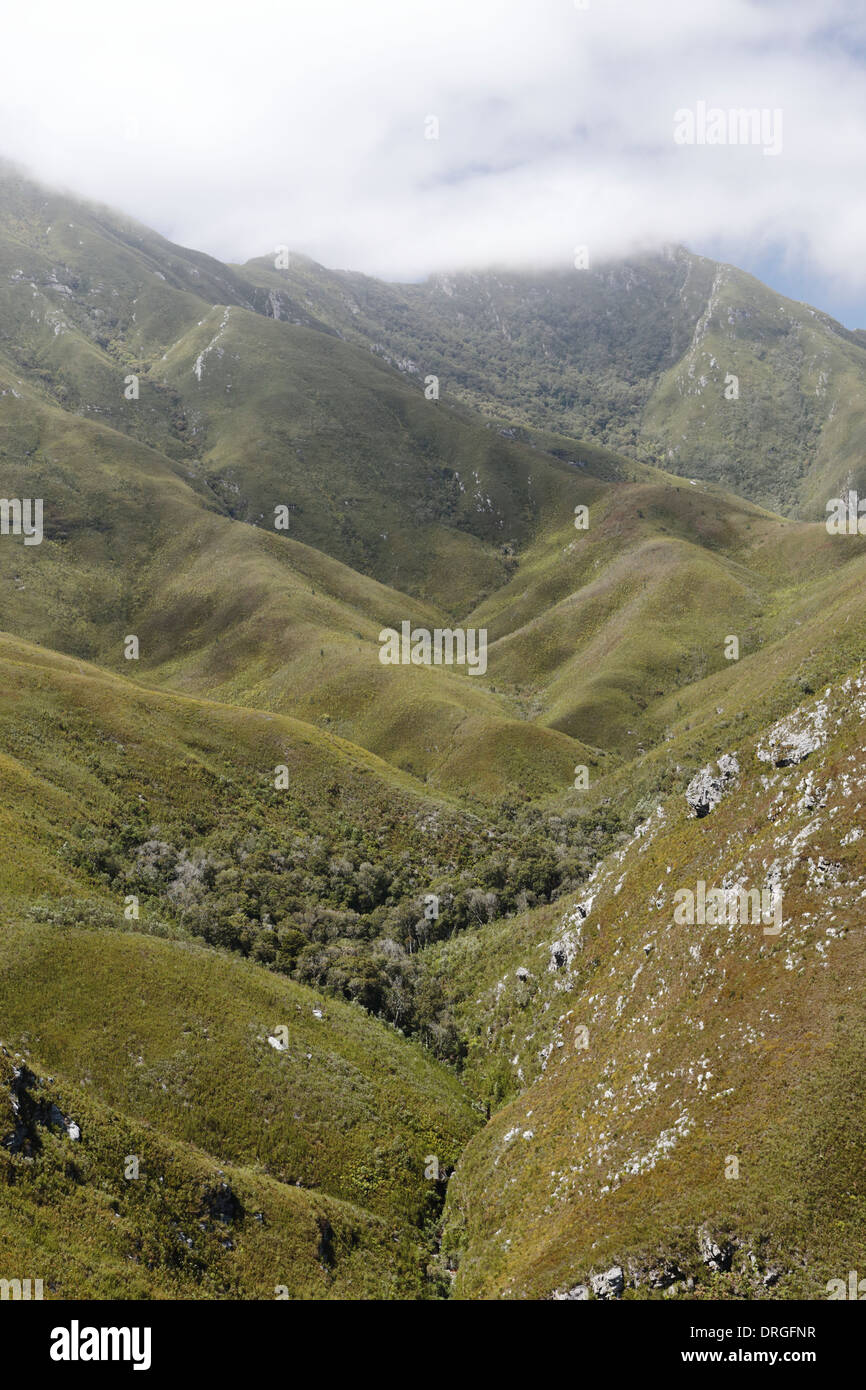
(401, 139)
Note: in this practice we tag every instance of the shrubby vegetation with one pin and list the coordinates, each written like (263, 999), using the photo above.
(329, 909)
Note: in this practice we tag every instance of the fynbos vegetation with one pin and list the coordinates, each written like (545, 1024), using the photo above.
(432, 700)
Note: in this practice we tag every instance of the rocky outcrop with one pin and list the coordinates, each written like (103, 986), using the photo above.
(610, 1284)
(707, 788)
(31, 1109)
(715, 1256)
(792, 739)
(663, 1275)
(667, 1272)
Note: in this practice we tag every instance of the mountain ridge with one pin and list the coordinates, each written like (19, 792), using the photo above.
(253, 813)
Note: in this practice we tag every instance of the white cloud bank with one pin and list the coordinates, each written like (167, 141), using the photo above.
(237, 128)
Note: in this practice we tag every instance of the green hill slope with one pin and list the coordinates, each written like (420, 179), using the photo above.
(178, 1037)
(200, 1065)
(637, 355)
(123, 1212)
(285, 921)
(673, 1079)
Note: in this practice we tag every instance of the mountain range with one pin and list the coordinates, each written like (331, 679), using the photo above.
(373, 969)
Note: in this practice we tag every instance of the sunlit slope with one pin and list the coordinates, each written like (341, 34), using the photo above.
(591, 634)
(824, 631)
(82, 746)
(607, 633)
(423, 498)
(399, 507)
(135, 545)
(181, 1223)
(114, 324)
(160, 1045)
(706, 1044)
(640, 355)
(177, 1036)
(769, 400)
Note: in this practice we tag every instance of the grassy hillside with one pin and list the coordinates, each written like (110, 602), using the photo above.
(135, 544)
(290, 924)
(587, 630)
(794, 436)
(174, 540)
(178, 1037)
(160, 1049)
(703, 1044)
(636, 355)
(80, 1216)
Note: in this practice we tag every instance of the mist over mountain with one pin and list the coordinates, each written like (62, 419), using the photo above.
(382, 970)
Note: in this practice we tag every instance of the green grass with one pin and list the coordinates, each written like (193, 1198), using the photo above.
(604, 1175)
(71, 1216)
(177, 1036)
(262, 907)
(633, 356)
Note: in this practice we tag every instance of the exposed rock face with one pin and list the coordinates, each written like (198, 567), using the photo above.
(752, 1266)
(663, 1275)
(795, 737)
(707, 788)
(610, 1284)
(716, 1257)
(563, 951)
(31, 1110)
(666, 1271)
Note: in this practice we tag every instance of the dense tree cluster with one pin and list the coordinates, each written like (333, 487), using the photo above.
(331, 910)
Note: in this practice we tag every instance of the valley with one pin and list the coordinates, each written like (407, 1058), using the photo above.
(348, 784)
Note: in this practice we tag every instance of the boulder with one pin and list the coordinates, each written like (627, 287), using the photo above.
(714, 1255)
(610, 1284)
(796, 736)
(707, 788)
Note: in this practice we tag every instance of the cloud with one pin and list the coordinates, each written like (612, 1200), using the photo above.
(241, 129)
